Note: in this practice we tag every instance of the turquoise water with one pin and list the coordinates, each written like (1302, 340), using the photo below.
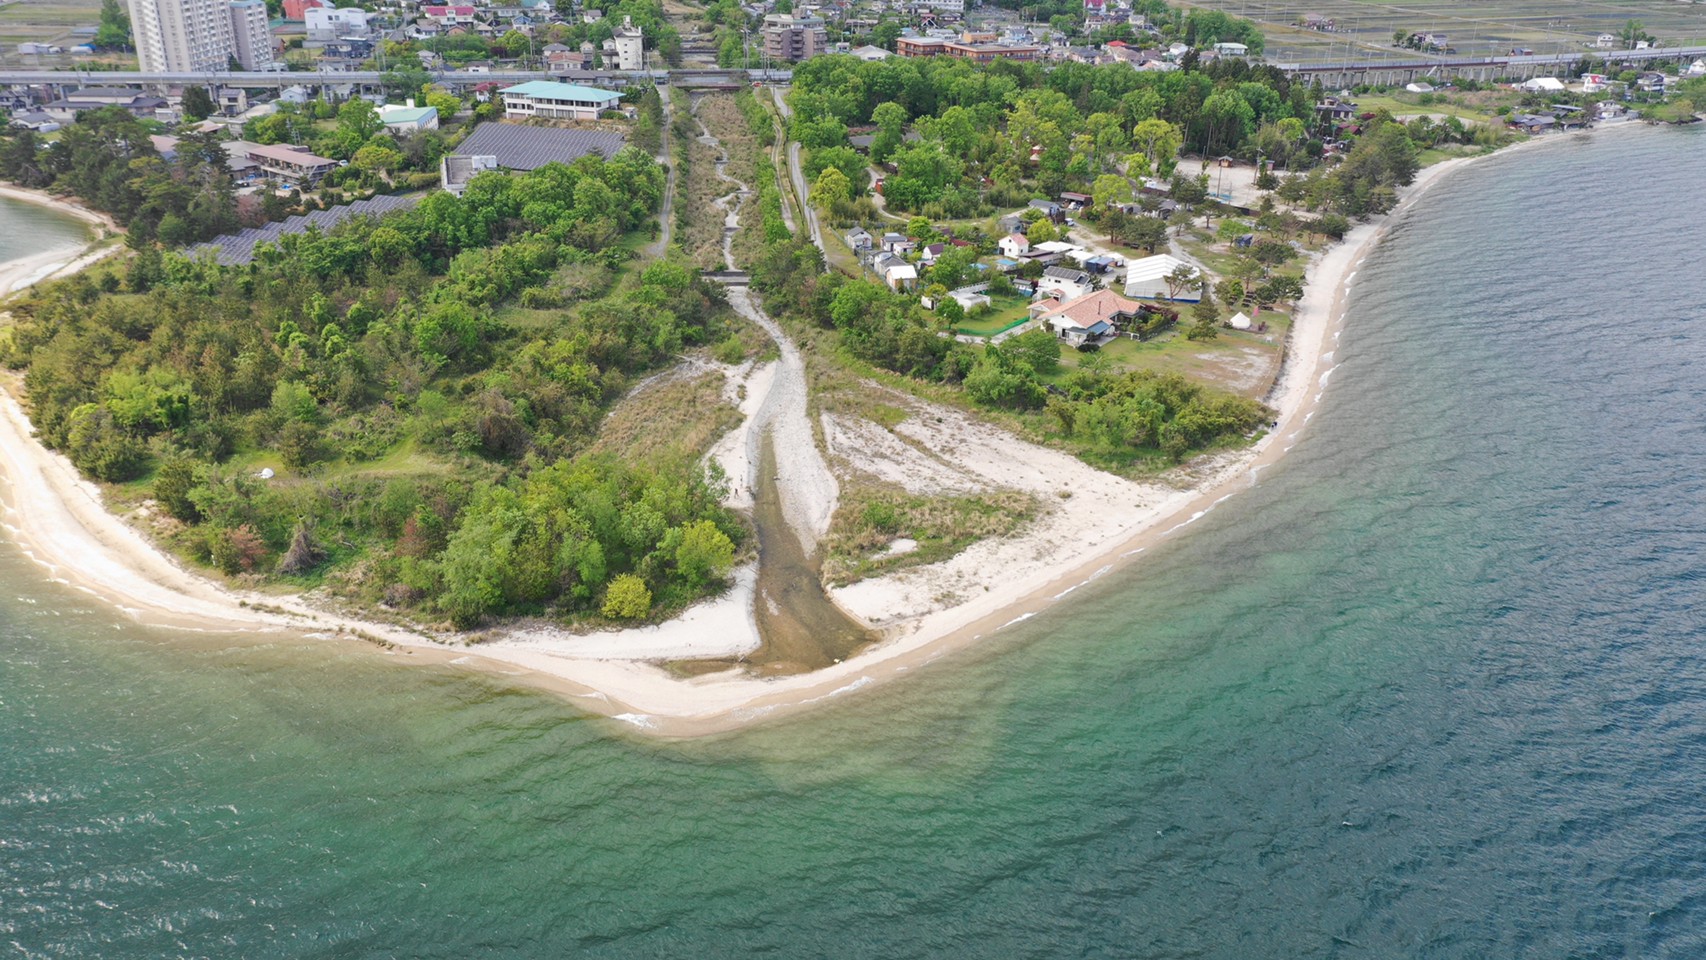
(1434, 689)
(30, 229)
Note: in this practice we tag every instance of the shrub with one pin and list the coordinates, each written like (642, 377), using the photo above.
(628, 598)
(237, 549)
(730, 350)
(172, 485)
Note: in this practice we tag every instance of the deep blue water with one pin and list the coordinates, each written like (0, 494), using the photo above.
(1434, 689)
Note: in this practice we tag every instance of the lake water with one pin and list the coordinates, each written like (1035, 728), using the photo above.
(28, 229)
(1436, 688)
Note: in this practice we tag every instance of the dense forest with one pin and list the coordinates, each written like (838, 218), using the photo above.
(428, 386)
(983, 139)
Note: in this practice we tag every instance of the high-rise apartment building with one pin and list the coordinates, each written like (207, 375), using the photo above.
(251, 34)
(787, 37)
(199, 36)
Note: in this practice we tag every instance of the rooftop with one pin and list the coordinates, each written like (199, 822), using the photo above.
(520, 147)
(551, 90)
(1092, 308)
(238, 248)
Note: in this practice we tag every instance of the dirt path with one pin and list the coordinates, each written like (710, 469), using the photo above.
(666, 215)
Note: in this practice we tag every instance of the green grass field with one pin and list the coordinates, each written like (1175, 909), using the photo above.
(1009, 310)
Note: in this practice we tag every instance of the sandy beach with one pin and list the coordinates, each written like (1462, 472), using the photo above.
(923, 612)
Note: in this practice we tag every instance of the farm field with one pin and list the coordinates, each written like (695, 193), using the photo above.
(1364, 29)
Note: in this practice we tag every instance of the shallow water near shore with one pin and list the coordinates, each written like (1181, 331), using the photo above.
(31, 229)
(1433, 689)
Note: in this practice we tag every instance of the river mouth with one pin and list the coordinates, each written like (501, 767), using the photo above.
(801, 628)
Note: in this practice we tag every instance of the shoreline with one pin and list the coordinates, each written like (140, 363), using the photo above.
(59, 520)
(26, 272)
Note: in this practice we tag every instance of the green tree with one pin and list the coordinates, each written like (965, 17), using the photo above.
(114, 31)
(704, 553)
(1159, 142)
(627, 598)
(1110, 190)
(198, 104)
(1038, 347)
(831, 189)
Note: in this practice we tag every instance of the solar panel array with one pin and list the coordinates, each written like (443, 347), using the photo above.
(238, 249)
(519, 147)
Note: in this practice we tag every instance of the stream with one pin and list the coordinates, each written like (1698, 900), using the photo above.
(800, 626)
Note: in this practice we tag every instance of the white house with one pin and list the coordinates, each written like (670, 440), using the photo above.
(1089, 317)
(1014, 245)
(549, 100)
(1065, 283)
(1231, 49)
(901, 276)
(1146, 279)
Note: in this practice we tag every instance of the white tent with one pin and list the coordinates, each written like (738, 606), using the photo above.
(1146, 279)
(1239, 321)
(1544, 84)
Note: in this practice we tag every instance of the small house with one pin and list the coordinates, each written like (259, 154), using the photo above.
(1049, 208)
(901, 277)
(1090, 318)
(1014, 245)
(1066, 282)
(858, 239)
(929, 254)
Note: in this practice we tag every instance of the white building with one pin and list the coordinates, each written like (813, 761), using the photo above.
(408, 118)
(1065, 283)
(251, 35)
(1014, 245)
(181, 36)
(1544, 85)
(1231, 49)
(327, 23)
(628, 47)
(1147, 280)
(943, 6)
(556, 101)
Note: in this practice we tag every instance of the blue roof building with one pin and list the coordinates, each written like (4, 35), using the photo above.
(550, 100)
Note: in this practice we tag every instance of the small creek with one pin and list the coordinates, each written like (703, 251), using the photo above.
(800, 627)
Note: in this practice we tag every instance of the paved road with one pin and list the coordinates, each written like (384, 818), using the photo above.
(797, 174)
